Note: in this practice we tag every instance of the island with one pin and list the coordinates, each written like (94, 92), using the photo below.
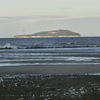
(54, 33)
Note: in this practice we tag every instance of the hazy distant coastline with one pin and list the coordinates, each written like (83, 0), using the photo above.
(47, 34)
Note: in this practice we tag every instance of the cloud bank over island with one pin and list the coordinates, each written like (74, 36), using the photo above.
(82, 16)
(31, 24)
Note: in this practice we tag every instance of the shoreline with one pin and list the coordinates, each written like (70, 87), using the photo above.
(48, 69)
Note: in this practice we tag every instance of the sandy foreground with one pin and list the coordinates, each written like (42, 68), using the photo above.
(54, 69)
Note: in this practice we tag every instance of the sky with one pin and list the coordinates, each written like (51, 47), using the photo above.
(19, 17)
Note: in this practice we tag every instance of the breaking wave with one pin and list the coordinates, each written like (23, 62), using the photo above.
(36, 43)
(8, 46)
(35, 46)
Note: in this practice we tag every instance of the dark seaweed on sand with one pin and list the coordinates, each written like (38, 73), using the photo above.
(50, 87)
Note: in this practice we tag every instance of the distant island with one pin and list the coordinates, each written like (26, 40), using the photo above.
(54, 33)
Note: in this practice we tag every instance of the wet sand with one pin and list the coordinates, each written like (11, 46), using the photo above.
(48, 69)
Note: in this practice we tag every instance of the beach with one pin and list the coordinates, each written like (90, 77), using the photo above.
(49, 73)
(50, 61)
(54, 69)
(56, 56)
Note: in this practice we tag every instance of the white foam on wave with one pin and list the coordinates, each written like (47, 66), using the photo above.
(40, 64)
(82, 58)
(8, 46)
(93, 74)
(44, 58)
(10, 60)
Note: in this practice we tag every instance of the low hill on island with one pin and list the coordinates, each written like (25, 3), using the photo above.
(54, 33)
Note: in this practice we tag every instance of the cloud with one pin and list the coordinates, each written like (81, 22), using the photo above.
(30, 19)
(64, 8)
(19, 19)
(54, 16)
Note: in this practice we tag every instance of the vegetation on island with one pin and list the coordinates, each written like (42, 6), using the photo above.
(54, 33)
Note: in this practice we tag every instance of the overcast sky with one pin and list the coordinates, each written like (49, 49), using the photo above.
(30, 16)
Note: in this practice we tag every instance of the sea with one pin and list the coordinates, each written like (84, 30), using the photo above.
(49, 51)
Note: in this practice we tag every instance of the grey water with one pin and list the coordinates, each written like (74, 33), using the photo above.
(49, 51)
(64, 42)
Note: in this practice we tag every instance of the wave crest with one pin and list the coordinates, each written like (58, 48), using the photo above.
(8, 46)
